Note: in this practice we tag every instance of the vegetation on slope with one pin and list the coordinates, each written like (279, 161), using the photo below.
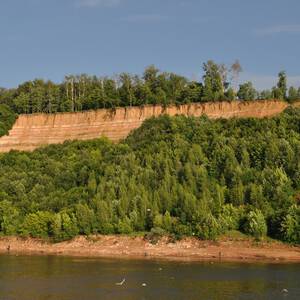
(180, 175)
(83, 92)
(7, 119)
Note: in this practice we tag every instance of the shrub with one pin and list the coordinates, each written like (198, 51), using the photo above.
(181, 230)
(230, 217)
(124, 226)
(290, 226)
(255, 224)
(154, 235)
(64, 226)
(208, 229)
(37, 224)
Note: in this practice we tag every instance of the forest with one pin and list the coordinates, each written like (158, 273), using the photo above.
(183, 176)
(7, 119)
(84, 92)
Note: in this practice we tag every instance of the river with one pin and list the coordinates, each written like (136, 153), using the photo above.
(59, 278)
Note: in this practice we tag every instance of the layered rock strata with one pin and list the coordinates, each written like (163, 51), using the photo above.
(36, 130)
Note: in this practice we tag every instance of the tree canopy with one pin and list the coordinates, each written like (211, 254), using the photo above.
(7, 119)
(85, 92)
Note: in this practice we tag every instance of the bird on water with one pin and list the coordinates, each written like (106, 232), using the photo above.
(121, 283)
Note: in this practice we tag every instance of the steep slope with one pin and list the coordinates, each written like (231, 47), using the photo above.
(32, 131)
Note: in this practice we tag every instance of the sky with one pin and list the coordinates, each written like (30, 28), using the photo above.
(52, 38)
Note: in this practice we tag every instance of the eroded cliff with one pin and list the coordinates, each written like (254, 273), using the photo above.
(32, 131)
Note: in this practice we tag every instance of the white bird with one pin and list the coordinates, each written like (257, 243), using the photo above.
(144, 284)
(121, 283)
(284, 291)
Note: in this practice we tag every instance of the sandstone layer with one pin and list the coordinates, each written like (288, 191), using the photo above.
(36, 130)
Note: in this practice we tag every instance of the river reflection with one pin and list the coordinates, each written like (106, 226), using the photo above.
(50, 277)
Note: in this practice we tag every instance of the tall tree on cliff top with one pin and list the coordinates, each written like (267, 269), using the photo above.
(247, 91)
(282, 83)
(150, 77)
(213, 82)
(280, 91)
(126, 90)
(175, 87)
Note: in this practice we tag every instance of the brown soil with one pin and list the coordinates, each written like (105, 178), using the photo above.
(137, 247)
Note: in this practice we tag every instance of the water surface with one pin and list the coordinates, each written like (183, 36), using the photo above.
(50, 277)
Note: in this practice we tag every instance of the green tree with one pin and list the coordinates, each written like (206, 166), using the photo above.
(64, 226)
(37, 224)
(92, 183)
(213, 89)
(124, 226)
(150, 77)
(290, 226)
(85, 219)
(126, 90)
(230, 94)
(247, 91)
(9, 218)
(266, 95)
(282, 85)
(7, 119)
(293, 94)
(103, 215)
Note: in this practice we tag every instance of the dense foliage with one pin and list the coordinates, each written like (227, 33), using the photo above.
(7, 119)
(181, 175)
(83, 92)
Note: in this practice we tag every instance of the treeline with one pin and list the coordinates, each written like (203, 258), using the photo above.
(178, 175)
(83, 92)
(7, 119)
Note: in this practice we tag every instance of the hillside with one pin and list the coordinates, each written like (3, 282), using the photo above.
(35, 130)
(186, 176)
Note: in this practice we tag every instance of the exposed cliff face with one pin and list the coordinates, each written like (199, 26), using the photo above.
(32, 131)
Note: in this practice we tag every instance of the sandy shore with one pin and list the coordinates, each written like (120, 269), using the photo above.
(137, 247)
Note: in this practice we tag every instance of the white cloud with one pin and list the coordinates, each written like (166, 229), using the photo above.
(262, 82)
(95, 3)
(278, 29)
(146, 18)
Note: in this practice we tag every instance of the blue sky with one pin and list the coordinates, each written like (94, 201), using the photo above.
(51, 38)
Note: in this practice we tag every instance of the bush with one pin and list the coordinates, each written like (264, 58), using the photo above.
(255, 224)
(124, 226)
(38, 224)
(154, 235)
(208, 229)
(230, 217)
(181, 230)
(290, 226)
(64, 226)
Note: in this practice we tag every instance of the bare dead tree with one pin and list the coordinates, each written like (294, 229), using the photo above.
(235, 70)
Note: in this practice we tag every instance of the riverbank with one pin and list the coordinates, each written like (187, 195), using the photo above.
(225, 249)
